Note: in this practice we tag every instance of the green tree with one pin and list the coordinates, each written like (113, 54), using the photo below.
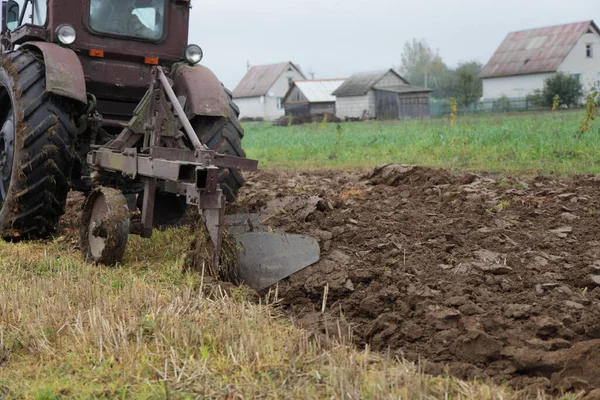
(567, 87)
(467, 88)
(420, 65)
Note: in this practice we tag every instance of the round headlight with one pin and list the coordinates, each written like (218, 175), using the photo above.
(66, 34)
(193, 54)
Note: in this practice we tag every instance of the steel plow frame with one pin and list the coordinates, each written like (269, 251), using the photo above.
(181, 171)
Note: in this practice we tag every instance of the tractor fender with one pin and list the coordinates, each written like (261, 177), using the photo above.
(64, 72)
(204, 93)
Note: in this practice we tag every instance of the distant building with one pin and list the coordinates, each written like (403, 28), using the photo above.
(306, 97)
(382, 95)
(261, 91)
(526, 58)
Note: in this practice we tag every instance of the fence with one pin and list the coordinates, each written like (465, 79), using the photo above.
(441, 108)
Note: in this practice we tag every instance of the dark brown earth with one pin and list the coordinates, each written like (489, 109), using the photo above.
(485, 276)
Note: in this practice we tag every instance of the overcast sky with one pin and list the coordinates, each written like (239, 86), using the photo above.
(335, 38)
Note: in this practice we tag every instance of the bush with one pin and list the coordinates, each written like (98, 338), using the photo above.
(502, 104)
(536, 99)
(567, 87)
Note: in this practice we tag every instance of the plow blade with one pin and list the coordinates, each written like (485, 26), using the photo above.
(266, 258)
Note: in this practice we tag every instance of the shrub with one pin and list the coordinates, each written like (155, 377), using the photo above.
(502, 104)
(567, 87)
(536, 99)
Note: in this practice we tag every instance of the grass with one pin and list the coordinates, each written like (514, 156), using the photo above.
(148, 330)
(518, 144)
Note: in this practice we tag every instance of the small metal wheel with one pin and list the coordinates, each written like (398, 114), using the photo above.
(104, 226)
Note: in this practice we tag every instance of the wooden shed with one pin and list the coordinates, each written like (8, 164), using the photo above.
(311, 97)
(381, 95)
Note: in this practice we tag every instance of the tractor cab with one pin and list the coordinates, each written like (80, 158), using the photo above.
(117, 42)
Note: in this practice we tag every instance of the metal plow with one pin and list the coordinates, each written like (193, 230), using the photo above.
(264, 257)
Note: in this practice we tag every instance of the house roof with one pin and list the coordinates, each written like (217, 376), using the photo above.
(259, 79)
(318, 90)
(360, 84)
(405, 89)
(535, 50)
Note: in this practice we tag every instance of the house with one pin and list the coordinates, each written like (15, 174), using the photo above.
(261, 91)
(526, 58)
(310, 97)
(382, 95)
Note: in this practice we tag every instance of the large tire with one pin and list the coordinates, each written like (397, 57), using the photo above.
(224, 135)
(35, 171)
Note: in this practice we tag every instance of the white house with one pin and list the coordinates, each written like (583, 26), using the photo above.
(526, 58)
(260, 93)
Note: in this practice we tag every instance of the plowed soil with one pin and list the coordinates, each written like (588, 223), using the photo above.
(482, 276)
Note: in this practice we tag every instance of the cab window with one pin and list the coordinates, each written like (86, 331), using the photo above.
(36, 12)
(143, 19)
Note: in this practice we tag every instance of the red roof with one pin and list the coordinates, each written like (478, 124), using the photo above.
(535, 50)
(259, 79)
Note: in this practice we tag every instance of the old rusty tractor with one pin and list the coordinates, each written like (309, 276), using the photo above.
(107, 97)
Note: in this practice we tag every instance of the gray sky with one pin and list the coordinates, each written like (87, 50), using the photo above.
(335, 38)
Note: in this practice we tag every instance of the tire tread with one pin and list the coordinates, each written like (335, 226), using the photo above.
(44, 154)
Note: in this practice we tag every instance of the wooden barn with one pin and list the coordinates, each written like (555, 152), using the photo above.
(311, 97)
(381, 95)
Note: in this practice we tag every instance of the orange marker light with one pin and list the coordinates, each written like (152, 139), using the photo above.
(97, 53)
(151, 60)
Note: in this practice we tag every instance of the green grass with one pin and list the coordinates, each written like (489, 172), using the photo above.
(522, 144)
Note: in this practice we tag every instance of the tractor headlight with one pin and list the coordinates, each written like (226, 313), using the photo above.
(193, 54)
(66, 34)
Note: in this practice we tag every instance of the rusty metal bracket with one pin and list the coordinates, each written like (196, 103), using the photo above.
(187, 126)
(148, 207)
(207, 179)
(130, 163)
(244, 164)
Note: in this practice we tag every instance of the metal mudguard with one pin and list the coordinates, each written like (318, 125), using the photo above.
(204, 93)
(64, 73)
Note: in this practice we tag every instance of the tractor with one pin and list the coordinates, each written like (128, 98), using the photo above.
(107, 97)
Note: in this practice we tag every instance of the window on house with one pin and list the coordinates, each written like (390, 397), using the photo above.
(279, 103)
(290, 80)
(589, 51)
(577, 76)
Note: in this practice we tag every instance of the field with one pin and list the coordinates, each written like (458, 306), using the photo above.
(479, 279)
(533, 144)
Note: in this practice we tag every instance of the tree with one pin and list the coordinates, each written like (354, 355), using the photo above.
(567, 87)
(467, 87)
(421, 66)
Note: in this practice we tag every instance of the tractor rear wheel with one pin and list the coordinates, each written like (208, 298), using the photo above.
(36, 156)
(224, 135)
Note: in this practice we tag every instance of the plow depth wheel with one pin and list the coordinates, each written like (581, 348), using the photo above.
(104, 226)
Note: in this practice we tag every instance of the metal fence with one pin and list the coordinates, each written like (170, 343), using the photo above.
(441, 108)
